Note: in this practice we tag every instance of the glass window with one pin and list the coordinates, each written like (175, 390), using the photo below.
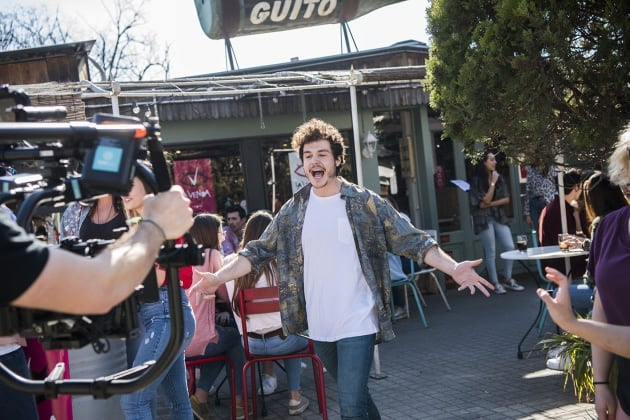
(445, 191)
(388, 130)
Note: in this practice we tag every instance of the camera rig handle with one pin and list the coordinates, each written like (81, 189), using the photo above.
(81, 136)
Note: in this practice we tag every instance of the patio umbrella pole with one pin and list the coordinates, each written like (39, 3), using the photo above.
(377, 374)
(563, 211)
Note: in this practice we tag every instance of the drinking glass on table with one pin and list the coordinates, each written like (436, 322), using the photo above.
(521, 242)
(568, 242)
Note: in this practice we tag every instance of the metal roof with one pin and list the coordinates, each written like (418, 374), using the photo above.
(320, 84)
(73, 48)
(249, 94)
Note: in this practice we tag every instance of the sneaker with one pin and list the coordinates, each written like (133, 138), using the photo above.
(200, 410)
(399, 312)
(240, 410)
(556, 360)
(298, 407)
(269, 384)
(499, 289)
(511, 284)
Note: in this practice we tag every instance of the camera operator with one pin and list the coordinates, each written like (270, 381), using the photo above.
(15, 404)
(40, 277)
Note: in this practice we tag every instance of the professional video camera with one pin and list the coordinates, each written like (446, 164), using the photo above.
(111, 149)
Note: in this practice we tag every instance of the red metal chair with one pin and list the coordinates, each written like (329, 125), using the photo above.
(264, 300)
(193, 362)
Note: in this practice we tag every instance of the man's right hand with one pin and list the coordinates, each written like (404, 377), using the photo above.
(170, 210)
(208, 284)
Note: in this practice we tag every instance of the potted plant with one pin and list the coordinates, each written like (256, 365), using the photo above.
(574, 352)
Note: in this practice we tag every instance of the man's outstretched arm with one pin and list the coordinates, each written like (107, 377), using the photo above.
(463, 272)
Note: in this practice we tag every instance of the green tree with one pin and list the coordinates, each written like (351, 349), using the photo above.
(536, 78)
(124, 49)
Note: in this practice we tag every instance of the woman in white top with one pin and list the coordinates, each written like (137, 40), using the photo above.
(265, 336)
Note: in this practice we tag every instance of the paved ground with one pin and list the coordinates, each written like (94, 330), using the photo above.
(464, 366)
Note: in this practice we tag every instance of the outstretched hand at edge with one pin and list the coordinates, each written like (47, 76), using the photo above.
(559, 307)
(466, 277)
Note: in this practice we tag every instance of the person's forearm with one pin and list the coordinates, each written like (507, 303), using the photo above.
(610, 338)
(487, 199)
(234, 269)
(439, 259)
(79, 285)
(499, 202)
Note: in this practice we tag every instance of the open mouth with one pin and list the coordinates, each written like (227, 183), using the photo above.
(317, 173)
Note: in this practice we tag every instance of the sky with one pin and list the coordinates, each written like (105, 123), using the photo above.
(193, 53)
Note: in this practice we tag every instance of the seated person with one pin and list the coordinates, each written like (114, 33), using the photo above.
(265, 335)
(212, 338)
(550, 224)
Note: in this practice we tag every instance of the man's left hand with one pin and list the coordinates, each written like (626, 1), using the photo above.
(465, 275)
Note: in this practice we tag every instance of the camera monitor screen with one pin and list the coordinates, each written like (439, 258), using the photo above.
(107, 157)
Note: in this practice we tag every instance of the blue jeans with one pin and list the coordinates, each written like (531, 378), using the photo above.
(230, 344)
(15, 404)
(504, 235)
(276, 346)
(157, 320)
(349, 361)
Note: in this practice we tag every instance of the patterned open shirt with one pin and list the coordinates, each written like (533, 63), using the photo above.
(377, 228)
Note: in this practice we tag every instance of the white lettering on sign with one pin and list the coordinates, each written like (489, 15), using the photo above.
(199, 194)
(280, 10)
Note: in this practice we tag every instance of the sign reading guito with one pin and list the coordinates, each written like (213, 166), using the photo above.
(222, 19)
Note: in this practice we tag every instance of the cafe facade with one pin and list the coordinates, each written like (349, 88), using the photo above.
(228, 134)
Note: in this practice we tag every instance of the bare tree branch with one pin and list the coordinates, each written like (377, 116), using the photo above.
(124, 50)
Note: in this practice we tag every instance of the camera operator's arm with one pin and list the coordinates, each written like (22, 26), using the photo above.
(74, 284)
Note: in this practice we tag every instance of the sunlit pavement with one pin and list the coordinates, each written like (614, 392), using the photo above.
(464, 366)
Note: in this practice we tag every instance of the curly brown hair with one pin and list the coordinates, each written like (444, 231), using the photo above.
(315, 130)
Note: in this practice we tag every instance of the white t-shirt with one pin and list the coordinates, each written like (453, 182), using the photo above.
(8, 348)
(256, 323)
(339, 303)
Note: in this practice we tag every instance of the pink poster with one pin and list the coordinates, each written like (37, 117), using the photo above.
(62, 405)
(195, 177)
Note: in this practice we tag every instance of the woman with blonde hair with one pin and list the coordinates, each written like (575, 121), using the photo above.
(608, 330)
(619, 163)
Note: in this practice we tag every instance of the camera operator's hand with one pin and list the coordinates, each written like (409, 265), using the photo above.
(170, 210)
(98, 283)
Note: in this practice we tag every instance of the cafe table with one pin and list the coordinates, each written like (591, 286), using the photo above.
(533, 254)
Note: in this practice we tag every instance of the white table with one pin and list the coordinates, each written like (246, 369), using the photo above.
(533, 254)
(542, 253)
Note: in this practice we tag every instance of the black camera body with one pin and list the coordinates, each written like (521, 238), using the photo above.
(108, 149)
